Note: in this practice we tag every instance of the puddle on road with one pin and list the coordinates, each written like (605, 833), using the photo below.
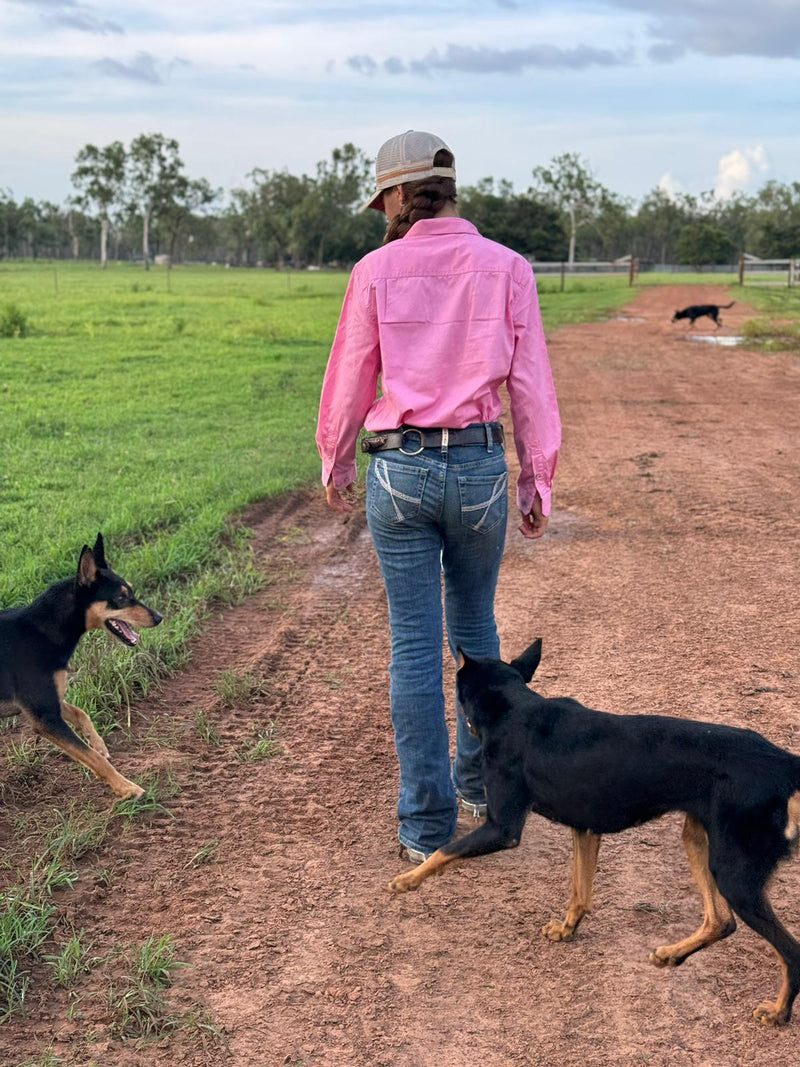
(712, 339)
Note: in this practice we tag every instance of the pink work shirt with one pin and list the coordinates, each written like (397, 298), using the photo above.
(443, 317)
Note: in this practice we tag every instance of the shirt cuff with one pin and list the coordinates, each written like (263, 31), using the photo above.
(526, 494)
(344, 474)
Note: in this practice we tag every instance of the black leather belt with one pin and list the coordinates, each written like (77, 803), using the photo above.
(411, 440)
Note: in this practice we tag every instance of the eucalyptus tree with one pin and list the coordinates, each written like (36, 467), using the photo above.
(658, 222)
(703, 243)
(99, 180)
(268, 209)
(773, 225)
(322, 222)
(521, 221)
(570, 186)
(188, 198)
(155, 180)
(8, 223)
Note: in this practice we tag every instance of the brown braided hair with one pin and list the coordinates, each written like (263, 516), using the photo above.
(424, 199)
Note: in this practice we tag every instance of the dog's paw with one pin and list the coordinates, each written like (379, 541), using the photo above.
(768, 1014)
(403, 883)
(558, 931)
(129, 791)
(662, 957)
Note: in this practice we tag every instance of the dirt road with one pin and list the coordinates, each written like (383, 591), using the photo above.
(668, 584)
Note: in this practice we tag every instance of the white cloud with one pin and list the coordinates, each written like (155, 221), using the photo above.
(738, 169)
(669, 185)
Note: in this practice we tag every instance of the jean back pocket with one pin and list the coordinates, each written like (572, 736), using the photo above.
(484, 500)
(394, 490)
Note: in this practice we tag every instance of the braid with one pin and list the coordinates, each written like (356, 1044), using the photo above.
(425, 199)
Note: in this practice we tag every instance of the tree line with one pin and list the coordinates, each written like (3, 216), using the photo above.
(138, 202)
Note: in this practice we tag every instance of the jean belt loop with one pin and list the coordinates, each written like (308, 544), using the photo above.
(489, 438)
(445, 441)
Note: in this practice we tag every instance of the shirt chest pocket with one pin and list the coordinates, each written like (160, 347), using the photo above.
(446, 298)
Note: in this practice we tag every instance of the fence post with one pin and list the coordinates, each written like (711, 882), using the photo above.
(632, 272)
(562, 277)
(741, 270)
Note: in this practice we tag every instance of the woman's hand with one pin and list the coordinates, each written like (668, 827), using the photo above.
(339, 499)
(534, 523)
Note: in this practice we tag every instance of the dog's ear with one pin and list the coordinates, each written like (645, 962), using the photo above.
(99, 552)
(527, 663)
(87, 567)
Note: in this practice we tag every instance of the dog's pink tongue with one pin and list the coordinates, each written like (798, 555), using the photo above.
(130, 634)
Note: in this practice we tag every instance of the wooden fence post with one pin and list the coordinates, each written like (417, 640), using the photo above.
(741, 270)
(632, 271)
(562, 277)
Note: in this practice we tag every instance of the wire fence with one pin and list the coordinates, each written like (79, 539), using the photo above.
(751, 271)
(769, 271)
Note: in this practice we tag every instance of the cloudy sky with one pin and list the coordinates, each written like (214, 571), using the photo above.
(691, 95)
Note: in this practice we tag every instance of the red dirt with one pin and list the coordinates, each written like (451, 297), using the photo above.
(668, 584)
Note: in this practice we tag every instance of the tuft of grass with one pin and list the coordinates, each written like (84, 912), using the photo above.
(263, 747)
(244, 687)
(773, 335)
(47, 1058)
(206, 729)
(71, 961)
(656, 909)
(155, 787)
(207, 853)
(13, 322)
(28, 916)
(139, 1004)
(155, 961)
(25, 754)
(74, 833)
(26, 923)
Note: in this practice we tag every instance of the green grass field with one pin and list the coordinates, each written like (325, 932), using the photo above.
(154, 406)
(154, 414)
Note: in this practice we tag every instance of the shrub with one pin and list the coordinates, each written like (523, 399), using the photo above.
(13, 322)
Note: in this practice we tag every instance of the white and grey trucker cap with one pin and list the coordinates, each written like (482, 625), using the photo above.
(408, 157)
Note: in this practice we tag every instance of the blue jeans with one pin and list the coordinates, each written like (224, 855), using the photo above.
(439, 512)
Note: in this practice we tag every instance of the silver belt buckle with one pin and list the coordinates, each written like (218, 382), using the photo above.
(421, 442)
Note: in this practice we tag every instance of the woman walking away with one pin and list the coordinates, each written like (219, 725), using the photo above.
(443, 317)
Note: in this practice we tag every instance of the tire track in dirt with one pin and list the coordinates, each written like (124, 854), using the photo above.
(667, 584)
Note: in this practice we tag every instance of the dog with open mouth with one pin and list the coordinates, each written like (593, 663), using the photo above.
(37, 642)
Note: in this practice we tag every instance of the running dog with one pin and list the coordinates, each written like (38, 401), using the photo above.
(696, 311)
(600, 773)
(37, 642)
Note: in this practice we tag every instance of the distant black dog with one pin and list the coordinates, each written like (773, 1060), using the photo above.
(601, 773)
(37, 642)
(696, 311)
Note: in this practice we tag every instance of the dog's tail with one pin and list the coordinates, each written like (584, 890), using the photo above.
(728, 305)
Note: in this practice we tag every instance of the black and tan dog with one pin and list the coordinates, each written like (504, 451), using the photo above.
(37, 642)
(600, 773)
(697, 311)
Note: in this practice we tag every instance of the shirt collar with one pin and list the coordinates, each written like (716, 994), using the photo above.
(448, 224)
